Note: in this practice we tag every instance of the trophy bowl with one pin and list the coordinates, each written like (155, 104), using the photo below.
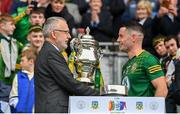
(87, 56)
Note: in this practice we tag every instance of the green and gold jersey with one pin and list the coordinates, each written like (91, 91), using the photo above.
(138, 73)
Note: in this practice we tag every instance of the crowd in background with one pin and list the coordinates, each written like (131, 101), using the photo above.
(21, 23)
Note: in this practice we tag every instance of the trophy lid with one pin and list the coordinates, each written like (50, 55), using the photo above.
(87, 35)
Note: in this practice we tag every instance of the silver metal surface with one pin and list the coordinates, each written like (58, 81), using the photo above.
(88, 54)
(116, 90)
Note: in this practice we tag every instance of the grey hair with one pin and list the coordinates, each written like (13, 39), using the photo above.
(50, 25)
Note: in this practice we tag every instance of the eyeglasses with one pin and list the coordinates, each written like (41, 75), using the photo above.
(65, 31)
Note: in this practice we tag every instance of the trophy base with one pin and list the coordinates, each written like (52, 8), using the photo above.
(86, 81)
(115, 90)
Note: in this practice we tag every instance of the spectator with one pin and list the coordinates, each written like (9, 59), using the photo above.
(22, 92)
(99, 20)
(117, 13)
(171, 44)
(35, 37)
(58, 8)
(36, 17)
(159, 46)
(9, 49)
(168, 18)
(130, 11)
(143, 16)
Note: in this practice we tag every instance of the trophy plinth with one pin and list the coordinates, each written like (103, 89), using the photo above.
(115, 90)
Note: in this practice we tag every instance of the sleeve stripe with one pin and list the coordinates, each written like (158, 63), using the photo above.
(155, 70)
(154, 66)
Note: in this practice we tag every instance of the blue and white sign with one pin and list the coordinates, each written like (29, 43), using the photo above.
(115, 104)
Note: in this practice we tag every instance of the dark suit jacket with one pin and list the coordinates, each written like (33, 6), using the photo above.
(177, 83)
(166, 26)
(54, 82)
(117, 13)
(148, 36)
(103, 31)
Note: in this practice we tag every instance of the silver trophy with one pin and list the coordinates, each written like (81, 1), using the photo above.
(87, 56)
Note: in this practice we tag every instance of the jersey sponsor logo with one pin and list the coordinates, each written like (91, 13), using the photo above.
(134, 67)
(127, 70)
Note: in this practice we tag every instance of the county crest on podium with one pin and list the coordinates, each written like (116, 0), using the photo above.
(95, 105)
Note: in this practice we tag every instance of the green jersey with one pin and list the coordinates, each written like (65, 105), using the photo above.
(22, 26)
(138, 73)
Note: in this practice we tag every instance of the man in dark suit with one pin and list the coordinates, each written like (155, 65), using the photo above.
(54, 82)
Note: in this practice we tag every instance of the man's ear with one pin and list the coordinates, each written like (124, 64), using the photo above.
(133, 37)
(53, 34)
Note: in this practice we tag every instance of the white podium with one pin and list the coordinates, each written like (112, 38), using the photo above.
(115, 104)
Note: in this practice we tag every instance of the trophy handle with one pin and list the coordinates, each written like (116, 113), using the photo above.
(99, 53)
(73, 44)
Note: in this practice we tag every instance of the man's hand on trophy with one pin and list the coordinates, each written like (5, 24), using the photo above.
(74, 44)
